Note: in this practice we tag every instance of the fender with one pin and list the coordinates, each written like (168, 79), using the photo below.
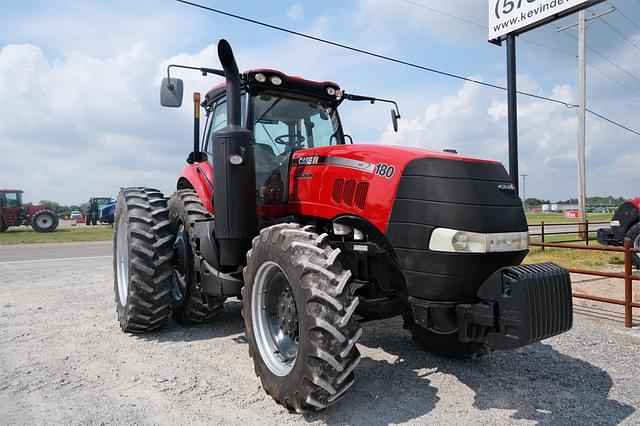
(199, 177)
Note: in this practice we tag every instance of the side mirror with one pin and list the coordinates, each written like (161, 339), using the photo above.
(171, 92)
(394, 120)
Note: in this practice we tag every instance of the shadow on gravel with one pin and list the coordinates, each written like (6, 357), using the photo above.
(537, 382)
(228, 323)
(542, 385)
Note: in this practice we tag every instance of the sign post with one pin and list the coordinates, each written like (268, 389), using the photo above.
(508, 19)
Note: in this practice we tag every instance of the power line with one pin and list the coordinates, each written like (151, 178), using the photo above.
(479, 25)
(614, 29)
(440, 12)
(398, 61)
(632, 91)
(613, 122)
(606, 59)
(625, 16)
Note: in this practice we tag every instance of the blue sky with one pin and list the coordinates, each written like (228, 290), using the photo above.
(79, 85)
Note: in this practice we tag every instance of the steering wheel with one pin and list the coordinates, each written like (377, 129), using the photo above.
(287, 139)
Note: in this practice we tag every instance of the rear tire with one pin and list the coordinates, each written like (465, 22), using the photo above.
(634, 235)
(298, 315)
(447, 345)
(189, 305)
(44, 221)
(142, 260)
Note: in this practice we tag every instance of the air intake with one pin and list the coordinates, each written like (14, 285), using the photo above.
(350, 193)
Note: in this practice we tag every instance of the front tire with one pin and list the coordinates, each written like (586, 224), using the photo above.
(298, 315)
(3, 225)
(142, 260)
(634, 235)
(189, 304)
(44, 221)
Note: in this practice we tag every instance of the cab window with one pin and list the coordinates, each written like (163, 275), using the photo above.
(219, 121)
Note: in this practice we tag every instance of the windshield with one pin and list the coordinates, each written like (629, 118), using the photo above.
(283, 124)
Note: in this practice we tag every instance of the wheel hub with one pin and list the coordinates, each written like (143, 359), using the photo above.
(182, 257)
(288, 315)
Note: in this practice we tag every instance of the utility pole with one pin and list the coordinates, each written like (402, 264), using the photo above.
(582, 73)
(582, 111)
(524, 190)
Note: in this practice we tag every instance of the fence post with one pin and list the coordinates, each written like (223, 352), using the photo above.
(586, 221)
(542, 233)
(628, 294)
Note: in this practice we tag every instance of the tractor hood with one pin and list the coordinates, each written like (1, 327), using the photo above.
(364, 179)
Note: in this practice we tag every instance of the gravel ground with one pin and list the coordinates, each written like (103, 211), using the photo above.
(63, 360)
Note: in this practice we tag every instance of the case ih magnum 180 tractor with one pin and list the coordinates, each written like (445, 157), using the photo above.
(14, 213)
(315, 234)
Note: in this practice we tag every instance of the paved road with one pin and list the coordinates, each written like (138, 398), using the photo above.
(50, 252)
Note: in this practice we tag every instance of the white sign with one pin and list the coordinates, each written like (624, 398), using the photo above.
(518, 16)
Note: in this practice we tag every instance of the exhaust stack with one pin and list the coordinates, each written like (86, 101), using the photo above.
(234, 194)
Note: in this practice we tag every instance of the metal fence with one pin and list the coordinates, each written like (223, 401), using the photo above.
(627, 275)
(583, 235)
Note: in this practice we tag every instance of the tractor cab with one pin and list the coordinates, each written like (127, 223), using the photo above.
(285, 114)
(11, 205)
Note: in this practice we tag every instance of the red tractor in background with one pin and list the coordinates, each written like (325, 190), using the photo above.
(14, 213)
(278, 208)
(625, 223)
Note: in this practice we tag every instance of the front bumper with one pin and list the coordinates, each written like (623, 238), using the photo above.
(519, 305)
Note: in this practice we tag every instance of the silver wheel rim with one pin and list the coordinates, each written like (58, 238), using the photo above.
(122, 260)
(43, 221)
(267, 284)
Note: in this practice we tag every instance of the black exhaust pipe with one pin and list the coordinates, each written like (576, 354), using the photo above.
(234, 193)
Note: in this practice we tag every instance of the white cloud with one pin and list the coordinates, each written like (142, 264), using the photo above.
(296, 12)
(474, 122)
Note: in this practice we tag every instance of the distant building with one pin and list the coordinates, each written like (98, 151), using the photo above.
(558, 207)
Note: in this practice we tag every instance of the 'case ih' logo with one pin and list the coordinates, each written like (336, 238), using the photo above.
(307, 161)
(507, 187)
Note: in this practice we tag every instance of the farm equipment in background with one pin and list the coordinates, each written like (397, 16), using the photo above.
(277, 207)
(92, 211)
(107, 213)
(624, 224)
(14, 213)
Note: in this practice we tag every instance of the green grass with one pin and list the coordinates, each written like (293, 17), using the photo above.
(536, 218)
(24, 235)
(574, 258)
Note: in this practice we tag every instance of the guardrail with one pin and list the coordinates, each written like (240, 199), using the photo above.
(627, 275)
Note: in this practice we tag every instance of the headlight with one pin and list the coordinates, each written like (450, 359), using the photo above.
(452, 240)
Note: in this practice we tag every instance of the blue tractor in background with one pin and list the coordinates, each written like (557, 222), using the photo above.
(107, 213)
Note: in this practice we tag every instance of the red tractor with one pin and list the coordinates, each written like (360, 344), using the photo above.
(14, 213)
(315, 235)
(624, 224)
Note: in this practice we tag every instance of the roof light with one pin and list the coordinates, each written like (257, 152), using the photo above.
(260, 78)
(275, 80)
(331, 91)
